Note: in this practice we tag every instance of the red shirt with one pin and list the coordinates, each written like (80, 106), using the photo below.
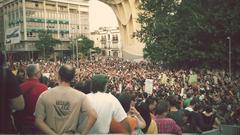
(167, 125)
(31, 98)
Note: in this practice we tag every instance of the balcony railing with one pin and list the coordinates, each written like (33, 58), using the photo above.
(41, 20)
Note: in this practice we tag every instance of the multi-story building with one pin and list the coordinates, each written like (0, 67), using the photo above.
(108, 40)
(24, 19)
(1, 29)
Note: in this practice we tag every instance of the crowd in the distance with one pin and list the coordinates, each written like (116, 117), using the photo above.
(116, 100)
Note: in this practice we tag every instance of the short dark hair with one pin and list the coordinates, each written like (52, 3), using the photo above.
(208, 109)
(66, 73)
(150, 100)
(84, 87)
(162, 107)
(193, 101)
(99, 82)
(197, 107)
(125, 101)
(172, 100)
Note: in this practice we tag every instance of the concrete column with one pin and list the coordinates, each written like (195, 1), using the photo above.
(45, 15)
(79, 18)
(24, 20)
(69, 26)
(126, 13)
(58, 25)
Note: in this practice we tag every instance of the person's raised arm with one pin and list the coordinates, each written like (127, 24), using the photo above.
(141, 121)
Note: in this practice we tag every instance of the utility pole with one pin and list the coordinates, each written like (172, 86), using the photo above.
(229, 57)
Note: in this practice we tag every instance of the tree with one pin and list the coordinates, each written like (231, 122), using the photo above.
(84, 45)
(190, 32)
(46, 43)
(97, 50)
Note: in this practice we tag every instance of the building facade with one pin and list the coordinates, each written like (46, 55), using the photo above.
(24, 19)
(108, 40)
(1, 29)
(126, 12)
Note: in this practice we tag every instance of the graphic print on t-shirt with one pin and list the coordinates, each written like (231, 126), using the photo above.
(62, 108)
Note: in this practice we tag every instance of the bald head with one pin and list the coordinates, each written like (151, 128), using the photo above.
(66, 73)
(33, 70)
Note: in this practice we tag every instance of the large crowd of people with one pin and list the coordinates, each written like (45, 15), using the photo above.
(114, 98)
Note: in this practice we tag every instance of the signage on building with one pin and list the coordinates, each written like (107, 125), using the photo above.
(12, 36)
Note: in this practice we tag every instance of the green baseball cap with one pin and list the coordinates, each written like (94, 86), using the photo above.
(100, 78)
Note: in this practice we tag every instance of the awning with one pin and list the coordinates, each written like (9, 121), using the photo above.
(63, 22)
(51, 21)
(64, 31)
(35, 30)
(35, 20)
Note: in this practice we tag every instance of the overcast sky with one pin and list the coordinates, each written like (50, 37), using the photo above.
(101, 15)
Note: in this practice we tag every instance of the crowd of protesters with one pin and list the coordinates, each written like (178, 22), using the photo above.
(189, 100)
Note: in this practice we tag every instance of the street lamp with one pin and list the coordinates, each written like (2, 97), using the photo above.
(109, 48)
(80, 39)
(73, 55)
(229, 57)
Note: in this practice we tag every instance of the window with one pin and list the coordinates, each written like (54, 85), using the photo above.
(62, 8)
(29, 34)
(62, 35)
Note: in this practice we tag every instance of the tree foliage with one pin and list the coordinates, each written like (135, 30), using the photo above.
(97, 50)
(84, 45)
(46, 43)
(190, 32)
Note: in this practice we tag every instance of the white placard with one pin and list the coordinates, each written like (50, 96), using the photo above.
(192, 79)
(46, 74)
(12, 36)
(164, 79)
(120, 88)
(148, 86)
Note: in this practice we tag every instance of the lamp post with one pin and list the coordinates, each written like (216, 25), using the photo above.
(229, 57)
(72, 44)
(80, 39)
(109, 48)
(90, 54)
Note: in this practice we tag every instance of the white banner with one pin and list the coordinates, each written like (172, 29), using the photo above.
(149, 86)
(12, 35)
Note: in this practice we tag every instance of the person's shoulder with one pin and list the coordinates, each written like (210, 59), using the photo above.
(170, 120)
(112, 97)
(8, 73)
(181, 111)
(45, 94)
(43, 86)
(77, 92)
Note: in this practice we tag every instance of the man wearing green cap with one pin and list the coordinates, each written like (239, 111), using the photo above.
(106, 106)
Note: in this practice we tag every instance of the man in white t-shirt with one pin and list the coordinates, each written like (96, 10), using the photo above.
(58, 109)
(107, 107)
